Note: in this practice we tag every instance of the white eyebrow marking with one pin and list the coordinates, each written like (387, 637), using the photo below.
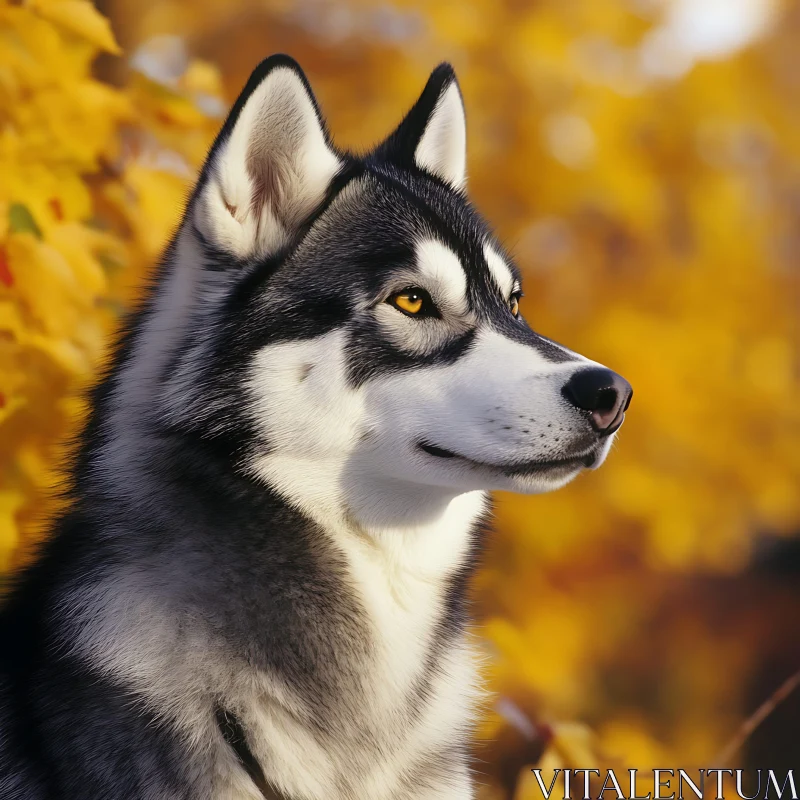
(442, 266)
(500, 271)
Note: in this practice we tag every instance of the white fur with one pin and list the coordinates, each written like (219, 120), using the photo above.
(501, 273)
(279, 127)
(480, 407)
(438, 264)
(442, 149)
(303, 405)
(438, 270)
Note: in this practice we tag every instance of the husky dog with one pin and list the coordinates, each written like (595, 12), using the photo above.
(259, 588)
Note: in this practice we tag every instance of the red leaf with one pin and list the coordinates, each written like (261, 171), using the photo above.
(6, 277)
(57, 208)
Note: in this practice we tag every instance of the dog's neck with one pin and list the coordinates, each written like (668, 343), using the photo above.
(422, 528)
(406, 574)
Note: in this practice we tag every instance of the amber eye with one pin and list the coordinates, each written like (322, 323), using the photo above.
(513, 303)
(414, 303)
(410, 302)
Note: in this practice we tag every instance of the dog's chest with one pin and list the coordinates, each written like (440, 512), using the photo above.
(406, 710)
(383, 745)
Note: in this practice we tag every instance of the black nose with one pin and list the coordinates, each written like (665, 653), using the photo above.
(603, 393)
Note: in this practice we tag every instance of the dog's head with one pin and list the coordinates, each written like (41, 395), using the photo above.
(357, 317)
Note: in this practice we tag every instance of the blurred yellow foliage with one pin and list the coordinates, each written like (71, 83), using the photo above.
(651, 195)
(86, 203)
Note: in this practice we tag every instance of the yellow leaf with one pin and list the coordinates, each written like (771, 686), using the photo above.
(8, 407)
(10, 502)
(74, 242)
(201, 76)
(11, 322)
(81, 18)
(575, 743)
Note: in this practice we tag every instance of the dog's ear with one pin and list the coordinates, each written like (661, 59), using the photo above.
(270, 166)
(433, 135)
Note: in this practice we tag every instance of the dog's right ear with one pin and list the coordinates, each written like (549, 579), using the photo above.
(270, 166)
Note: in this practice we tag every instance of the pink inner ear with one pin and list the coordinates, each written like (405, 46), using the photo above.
(265, 172)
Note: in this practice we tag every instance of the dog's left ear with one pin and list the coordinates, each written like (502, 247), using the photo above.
(269, 168)
(433, 135)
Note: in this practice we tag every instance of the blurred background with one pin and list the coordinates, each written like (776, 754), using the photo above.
(641, 158)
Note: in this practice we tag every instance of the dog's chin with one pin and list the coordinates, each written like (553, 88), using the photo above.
(539, 483)
(533, 476)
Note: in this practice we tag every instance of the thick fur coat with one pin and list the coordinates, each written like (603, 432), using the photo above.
(259, 588)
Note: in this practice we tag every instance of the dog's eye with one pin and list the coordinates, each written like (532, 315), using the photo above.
(513, 303)
(414, 302)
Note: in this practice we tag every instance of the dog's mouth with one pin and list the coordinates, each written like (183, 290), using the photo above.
(518, 468)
